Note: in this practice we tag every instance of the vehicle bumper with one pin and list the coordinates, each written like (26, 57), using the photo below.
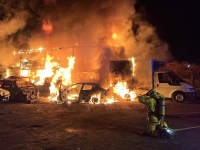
(191, 95)
(5, 98)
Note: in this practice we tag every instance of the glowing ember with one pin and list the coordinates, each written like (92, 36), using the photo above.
(110, 101)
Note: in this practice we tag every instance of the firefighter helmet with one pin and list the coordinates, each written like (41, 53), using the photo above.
(151, 92)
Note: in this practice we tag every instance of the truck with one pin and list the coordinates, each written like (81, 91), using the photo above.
(145, 76)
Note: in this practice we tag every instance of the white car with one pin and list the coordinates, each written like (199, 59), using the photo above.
(4, 95)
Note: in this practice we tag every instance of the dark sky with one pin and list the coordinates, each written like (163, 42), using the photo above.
(177, 23)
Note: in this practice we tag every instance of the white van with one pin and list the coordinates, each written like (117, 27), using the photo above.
(166, 83)
(172, 86)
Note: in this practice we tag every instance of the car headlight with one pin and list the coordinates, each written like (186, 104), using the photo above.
(191, 89)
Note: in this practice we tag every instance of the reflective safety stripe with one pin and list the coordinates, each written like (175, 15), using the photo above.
(154, 122)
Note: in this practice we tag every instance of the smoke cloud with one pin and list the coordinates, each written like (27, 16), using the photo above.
(88, 24)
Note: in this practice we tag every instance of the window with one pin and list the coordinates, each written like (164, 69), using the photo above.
(164, 78)
(8, 84)
(87, 87)
(74, 88)
(167, 78)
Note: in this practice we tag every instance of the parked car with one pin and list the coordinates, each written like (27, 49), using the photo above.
(20, 90)
(4, 95)
(26, 79)
(82, 92)
(43, 88)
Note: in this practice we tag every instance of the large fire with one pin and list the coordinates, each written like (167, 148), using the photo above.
(63, 75)
(121, 89)
(60, 74)
(107, 31)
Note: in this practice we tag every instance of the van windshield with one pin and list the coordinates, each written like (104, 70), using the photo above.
(176, 77)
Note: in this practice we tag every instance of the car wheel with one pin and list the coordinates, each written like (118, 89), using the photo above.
(63, 96)
(179, 97)
(95, 100)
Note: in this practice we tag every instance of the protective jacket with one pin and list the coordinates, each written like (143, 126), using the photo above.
(155, 104)
(150, 104)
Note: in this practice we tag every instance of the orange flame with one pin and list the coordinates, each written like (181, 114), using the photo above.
(121, 88)
(114, 36)
(65, 75)
(47, 27)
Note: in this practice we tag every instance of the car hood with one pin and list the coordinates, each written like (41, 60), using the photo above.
(4, 92)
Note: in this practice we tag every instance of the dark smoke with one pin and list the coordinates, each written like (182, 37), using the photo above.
(83, 23)
(18, 18)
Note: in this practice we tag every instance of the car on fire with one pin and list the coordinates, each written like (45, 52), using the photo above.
(20, 90)
(4, 95)
(83, 92)
(24, 78)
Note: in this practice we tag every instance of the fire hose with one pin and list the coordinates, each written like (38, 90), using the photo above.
(170, 130)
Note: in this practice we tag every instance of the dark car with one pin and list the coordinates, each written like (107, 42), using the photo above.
(82, 92)
(20, 90)
(24, 78)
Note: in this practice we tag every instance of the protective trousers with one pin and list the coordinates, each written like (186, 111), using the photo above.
(152, 123)
(152, 126)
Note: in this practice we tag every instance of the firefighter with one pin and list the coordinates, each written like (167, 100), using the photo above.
(155, 104)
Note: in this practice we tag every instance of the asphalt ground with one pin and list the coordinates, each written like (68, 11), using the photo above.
(52, 126)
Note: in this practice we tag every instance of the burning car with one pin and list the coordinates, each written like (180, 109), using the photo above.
(20, 90)
(26, 79)
(82, 92)
(4, 95)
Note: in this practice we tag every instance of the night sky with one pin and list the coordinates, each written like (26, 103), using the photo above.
(177, 23)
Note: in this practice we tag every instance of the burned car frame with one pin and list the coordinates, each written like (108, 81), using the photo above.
(18, 78)
(82, 93)
(20, 90)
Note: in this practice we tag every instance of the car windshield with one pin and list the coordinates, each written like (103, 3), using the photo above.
(23, 82)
